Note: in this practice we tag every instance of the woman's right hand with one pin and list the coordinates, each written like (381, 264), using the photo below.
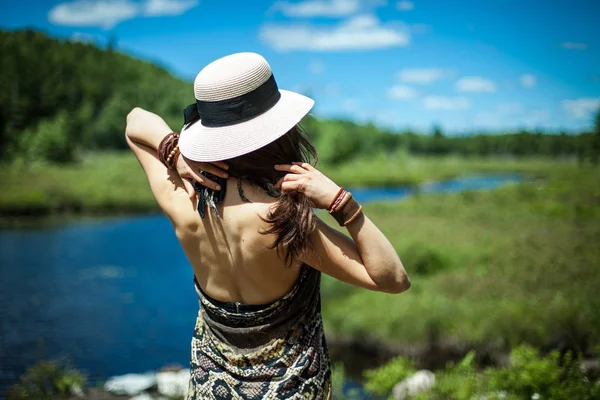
(190, 171)
(306, 179)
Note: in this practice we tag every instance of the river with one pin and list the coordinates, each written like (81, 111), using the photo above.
(115, 296)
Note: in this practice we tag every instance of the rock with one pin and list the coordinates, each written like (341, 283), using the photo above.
(171, 368)
(130, 384)
(77, 391)
(173, 384)
(420, 382)
(501, 394)
(142, 396)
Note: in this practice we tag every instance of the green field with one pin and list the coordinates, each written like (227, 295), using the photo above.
(504, 267)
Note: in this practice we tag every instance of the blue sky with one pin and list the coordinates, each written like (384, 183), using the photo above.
(465, 65)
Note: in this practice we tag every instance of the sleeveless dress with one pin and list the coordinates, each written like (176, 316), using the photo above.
(274, 351)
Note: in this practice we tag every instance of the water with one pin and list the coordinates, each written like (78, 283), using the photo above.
(116, 296)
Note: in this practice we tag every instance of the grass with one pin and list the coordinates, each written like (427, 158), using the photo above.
(410, 170)
(106, 183)
(113, 183)
(510, 266)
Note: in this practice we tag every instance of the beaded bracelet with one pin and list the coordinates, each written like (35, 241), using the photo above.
(168, 150)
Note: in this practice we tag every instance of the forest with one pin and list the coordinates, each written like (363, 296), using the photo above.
(67, 97)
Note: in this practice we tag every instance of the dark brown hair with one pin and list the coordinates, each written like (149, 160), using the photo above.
(292, 219)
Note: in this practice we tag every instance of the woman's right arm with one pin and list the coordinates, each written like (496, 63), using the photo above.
(368, 259)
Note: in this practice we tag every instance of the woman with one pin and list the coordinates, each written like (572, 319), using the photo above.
(239, 189)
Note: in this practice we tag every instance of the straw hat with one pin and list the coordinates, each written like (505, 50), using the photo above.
(238, 109)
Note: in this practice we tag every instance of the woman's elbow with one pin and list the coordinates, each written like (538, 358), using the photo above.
(132, 120)
(400, 285)
(397, 283)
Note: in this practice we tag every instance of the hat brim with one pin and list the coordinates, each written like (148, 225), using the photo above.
(205, 144)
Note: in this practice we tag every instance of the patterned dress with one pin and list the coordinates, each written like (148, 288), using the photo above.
(275, 351)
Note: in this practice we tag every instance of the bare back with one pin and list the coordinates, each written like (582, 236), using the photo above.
(231, 259)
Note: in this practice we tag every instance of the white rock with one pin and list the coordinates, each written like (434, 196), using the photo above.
(142, 396)
(173, 384)
(77, 391)
(420, 382)
(130, 384)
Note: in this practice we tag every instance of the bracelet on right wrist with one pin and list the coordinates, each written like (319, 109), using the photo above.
(168, 150)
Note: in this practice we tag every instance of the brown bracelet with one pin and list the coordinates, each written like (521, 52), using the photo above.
(337, 202)
(335, 199)
(348, 210)
(168, 150)
(346, 197)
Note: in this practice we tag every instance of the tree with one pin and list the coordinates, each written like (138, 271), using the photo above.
(596, 140)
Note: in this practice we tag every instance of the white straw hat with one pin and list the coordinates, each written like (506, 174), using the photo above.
(238, 109)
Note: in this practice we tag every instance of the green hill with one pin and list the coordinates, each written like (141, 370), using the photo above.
(75, 95)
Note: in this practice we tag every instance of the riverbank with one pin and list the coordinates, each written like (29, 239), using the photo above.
(114, 184)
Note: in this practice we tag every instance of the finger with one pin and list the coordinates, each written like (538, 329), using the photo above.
(193, 176)
(221, 164)
(210, 168)
(279, 182)
(296, 169)
(304, 165)
(292, 177)
(288, 178)
(204, 181)
(189, 188)
(291, 186)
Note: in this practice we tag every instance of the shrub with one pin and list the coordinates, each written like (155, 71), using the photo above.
(528, 376)
(380, 381)
(47, 380)
(423, 260)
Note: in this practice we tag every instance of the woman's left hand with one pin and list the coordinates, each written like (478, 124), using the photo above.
(306, 179)
(190, 171)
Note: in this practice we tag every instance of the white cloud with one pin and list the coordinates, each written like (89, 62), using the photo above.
(574, 46)
(528, 80)
(401, 92)
(316, 67)
(358, 33)
(475, 84)
(581, 108)
(318, 8)
(446, 103)
(168, 7)
(108, 13)
(103, 13)
(420, 75)
(405, 5)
